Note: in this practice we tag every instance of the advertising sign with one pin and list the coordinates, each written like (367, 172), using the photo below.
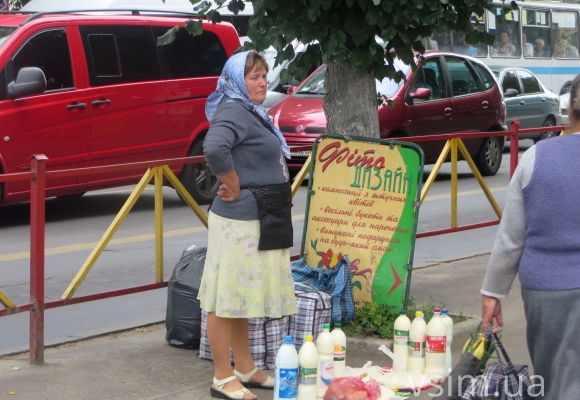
(363, 204)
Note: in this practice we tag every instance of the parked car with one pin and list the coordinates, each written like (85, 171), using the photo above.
(450, 93)
(278, 90)
(528, 101)
(94, 89)
(564, 99)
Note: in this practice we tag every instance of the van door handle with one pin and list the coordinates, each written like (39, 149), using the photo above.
(76, 106)
(98, 103)
(484, 104)
(447, 111)
(522, 103)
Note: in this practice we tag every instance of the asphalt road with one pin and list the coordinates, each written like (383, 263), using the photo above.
(74, 226)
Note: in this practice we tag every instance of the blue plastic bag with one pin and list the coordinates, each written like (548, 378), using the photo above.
(336, 282)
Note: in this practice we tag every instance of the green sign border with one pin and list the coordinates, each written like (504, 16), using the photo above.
(416, 202)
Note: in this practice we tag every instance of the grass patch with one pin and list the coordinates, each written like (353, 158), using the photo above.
(372, 320)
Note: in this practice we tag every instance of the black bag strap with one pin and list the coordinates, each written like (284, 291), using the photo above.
(506, 365)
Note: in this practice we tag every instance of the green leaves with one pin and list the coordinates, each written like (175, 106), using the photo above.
(194, 27)
(168, 37)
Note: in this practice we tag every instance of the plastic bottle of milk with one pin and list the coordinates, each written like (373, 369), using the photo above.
(401, 344)
(325, 373)
(286, 371)
(436, 340)
(449, 324)
(308, 363)
(416, 360)
(339, 350)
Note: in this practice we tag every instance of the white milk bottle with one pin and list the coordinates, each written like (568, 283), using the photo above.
(308, 364)
(401, 344)
(339, 350)
(416, 360)
(325, 373)
(436, 340)
(286, 371)
(449, 324)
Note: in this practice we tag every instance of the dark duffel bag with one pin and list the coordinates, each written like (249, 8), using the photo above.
(183, 317)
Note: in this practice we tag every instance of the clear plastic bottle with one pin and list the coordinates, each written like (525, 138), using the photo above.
(401, 343)
(325, 372)
(286, 363)
(449, 324)
(436, 340)
(308, 364)
(339, 350)
(416, 360)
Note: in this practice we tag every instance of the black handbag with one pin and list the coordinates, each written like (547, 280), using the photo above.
(275, 215)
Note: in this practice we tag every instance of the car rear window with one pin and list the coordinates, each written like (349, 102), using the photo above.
(486, 77)
(387, 87)
(5, 32)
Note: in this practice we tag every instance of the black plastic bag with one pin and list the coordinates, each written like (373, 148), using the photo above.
(183, 317)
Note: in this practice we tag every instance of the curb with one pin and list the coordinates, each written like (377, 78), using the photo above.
(370, 345)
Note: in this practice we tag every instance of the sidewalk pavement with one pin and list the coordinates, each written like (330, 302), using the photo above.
(139, 364)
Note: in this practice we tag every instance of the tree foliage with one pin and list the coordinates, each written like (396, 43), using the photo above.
(347, 30)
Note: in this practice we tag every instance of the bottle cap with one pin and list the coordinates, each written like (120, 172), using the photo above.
(444, 311)
(437, 310)
(288, 339)
(309, 338)
(403, 312)
(418, 314)
(337, 326)
(326, 326)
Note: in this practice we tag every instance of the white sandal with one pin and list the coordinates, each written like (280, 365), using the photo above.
(219, 391)
(268, 384)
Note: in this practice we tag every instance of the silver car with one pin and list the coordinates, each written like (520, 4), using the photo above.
(528, 101)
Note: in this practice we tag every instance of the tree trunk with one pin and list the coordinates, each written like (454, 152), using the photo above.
(350, 104)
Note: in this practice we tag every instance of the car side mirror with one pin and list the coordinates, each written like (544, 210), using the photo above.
(29, 81)
(421, 94)
(292, 89)
(510, 93)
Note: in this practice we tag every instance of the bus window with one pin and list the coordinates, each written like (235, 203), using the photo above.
(459, 44)
(536, 34)
(507, 33)
(565, 34)
(443, 41)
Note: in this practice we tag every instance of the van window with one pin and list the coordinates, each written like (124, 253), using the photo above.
(135, 59)
(105, 55)
(48, 51)
(5, 32)
(191, 56)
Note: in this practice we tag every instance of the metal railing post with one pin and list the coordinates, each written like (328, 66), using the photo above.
(37, 212)
(514, 145)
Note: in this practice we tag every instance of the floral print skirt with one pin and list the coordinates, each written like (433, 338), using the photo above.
(240, 281)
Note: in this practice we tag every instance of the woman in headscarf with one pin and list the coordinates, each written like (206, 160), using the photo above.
(247, 271)
(541, 243)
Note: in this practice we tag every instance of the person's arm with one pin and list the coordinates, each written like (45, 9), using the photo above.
(230, 188)
(509, 244)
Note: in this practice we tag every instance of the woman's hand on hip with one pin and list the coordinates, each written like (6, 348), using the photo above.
(228, 194)
(491, 313)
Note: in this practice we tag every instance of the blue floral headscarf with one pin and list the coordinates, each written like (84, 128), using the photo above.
(231, 83)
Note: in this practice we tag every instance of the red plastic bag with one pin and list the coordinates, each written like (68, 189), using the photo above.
(352, 388)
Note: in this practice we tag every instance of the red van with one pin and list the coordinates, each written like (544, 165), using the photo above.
(93, 89)
(449, 93)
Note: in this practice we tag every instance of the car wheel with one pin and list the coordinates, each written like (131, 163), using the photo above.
(548, 134)
(488, 159)
(198, 179)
